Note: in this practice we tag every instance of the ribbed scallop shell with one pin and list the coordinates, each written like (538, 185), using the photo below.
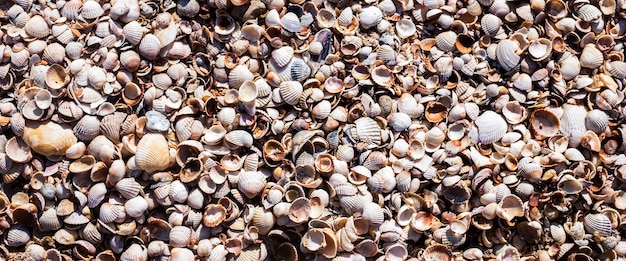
(282, 56)
(291, 23)
(251, 183)
(589, 13)
(37, 27)
(446, 41)
(54, 53)
(597, 121)
(573, 119)
(133, 32)
(87, 128)
(17, 236)
(437, 252)
(91, 10)
(570, 68)
(150, 46)
(488, 128)
(239, 75)
(180, 236)
(382, 75)
(373, 213)
(74, 50)
(71, 9)
(291, 91)
(49, 221)
(367, 130)
(96, 195)
(506, 53)
(490, 24)
(591, 57)
(240, 138)
(152, 153)
(128, 187)
(178, 192)
(370, 16)
(598, 223)
(617, 69)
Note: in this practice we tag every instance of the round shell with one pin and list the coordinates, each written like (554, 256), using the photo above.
(488, 128)
(152, 153)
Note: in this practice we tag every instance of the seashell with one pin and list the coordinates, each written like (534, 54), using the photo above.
(152, 153)
(238, 76)
(264, 220)
(507, 54)
(570, 68)
(446, 41)
(573, 122)
(405, 28)
(17, 236)
(17, 150)
(597, 121)
(382, 75)
(299, 210)
(370, 16)
(510, 206)
(544, 124)
(591, 57)
(128, 187)
(598, 223)
(251, 183)
(282, 56)
(291, 91)
(136, 206)
(490, 24)
(239, 138)
(54, 53)
(589, 13)
(396, 252)
(133, 32)
(37, 27)
(373, 214)
(291, 23)
(437, 252)
(58, 138)
(488, 128)
(91, 10)
(569, 185)
(149, 47)
(135, 252)
(540, 49)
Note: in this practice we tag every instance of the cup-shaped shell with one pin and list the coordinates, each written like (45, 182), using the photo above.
(405, 28)
(299, 210)
(507, 54)
(540, 49)
(556, 9)
(325, 18)
(488, 128)
(544, 123)
(251, 183)
(56, 77)
(598, 223)
(514, 112)
(446, 41)
(214, 215)
(591, 57)
(17, 150)
(396, 252)
(435, 112)
(370, 16)
(510, 206)
(150, 46)
(291, 91)
(597, 121)
(382, 75)
(152, 153)
(464, 43)
(437, 252)
(37, 27)
(570, 185)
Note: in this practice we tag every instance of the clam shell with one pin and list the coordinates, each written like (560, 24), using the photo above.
(282, 56)
(17, 150)
(133, 32)
(48, 138)
(573, 122)
(291, 23)
(152, 153)
(405, 28)
(37, 27)
(488, 128)
(598, 223)
(507, 54)
(91, 10)
(238, 76)
(370, 16)
(589, 13)
(150, 46)
(382, 75)
(597, 121)
(373, 213)
(591, 57)
(54, 53)
(544, 123)
(510, 206)
(239, 138)
(446, 41)
(251, 183)
(490, 24)
(291, 91)
(17, 236)
(136, 206)
(128, 187)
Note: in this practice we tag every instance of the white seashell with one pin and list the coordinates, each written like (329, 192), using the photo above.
(238, 76)
(446, 41)
(589, 13)
(91, 10)
(37, 27)
(152, 153)
(128, 187)
(282, 56)
(133, 32)
(405, 28)
(178, 192)
(597, 121)
(150, 46)
(598, 223)
(291, 23)
(291, 91)
(54, 53)
(488, 128)
(136, 206)
(251, 183)
(507, 54)
(400, 121)
(570, 68)
(573, 122)
(591, 57)
(490, 24)
(373, 213)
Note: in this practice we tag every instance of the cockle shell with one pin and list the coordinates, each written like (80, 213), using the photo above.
(48, 138)
(544, 123)
(598, 223)
(507, 54)
(488, 128)
(510, 206)
(591, 57)
(597, 121)
(37, 27)
(370, 16)
(573, 122)
(251, 183)
(446, 41)
(152, 153)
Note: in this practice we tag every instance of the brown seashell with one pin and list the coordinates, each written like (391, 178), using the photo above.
(48, 138)
(544, 124)
(152, 153)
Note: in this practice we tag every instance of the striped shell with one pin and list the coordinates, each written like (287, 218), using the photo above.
(291, 91)
(507, 54)
(37, 27)
(490, 24)
(370, 16)
(598, 223)
(597, 121)
(591, 57)
(617, 69)
(573, 120)
(290, 23)
(589, 13)
(152, 153)
(91, 10)
(48, 138)
(488, 128)
(251, 183)
(446, 41)
(282, 56)
(150, 46)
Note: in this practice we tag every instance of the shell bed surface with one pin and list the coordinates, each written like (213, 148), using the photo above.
(312, 130)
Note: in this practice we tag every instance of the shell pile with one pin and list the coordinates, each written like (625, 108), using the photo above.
(312, 130)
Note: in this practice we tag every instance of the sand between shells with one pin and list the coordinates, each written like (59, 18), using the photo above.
(312, 130)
